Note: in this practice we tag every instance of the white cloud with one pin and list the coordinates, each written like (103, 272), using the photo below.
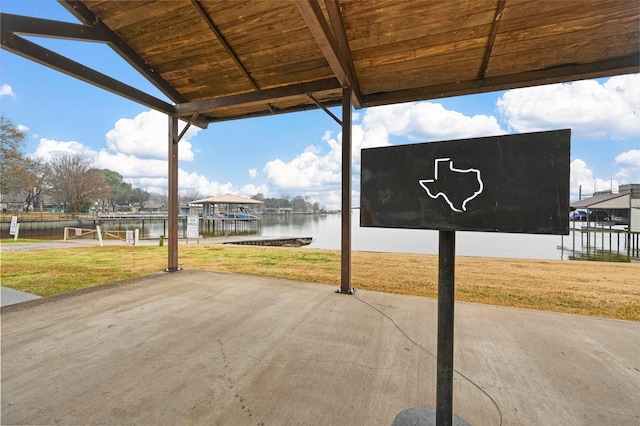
(253, 173)
(428, 121)
(48, 149)
(592, 110)
(145, 173)
(630, 166)
(6, 90)
(203, 185)
(130, 165)
(159, 183)
(309, 169)
(145, 135)
(22, 128)
(317, 171)
(189, 181)
(631, 158)
(582, 181)
(250, 190)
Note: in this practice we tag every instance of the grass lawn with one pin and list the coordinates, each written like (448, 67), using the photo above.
(601, 289)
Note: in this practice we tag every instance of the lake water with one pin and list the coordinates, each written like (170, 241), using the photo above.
(326, 232)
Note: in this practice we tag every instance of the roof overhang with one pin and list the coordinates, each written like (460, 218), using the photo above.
(216, 60)
(604, 201)
(227, 199)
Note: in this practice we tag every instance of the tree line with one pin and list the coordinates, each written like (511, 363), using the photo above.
(68, 180)
(297, 203)
(71, 182)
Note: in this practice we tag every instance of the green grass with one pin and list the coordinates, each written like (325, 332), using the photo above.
(602, 289)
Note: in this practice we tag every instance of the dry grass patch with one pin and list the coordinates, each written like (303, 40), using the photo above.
(599, 289)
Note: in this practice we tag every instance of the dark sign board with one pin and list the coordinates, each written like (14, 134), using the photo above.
(511, 183)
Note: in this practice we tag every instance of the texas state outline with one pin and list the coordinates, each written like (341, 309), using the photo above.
(424, 182)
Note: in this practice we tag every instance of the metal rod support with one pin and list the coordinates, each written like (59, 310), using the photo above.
(324, 108)
(446, 302)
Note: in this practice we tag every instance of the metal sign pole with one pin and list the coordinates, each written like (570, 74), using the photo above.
(446, 302)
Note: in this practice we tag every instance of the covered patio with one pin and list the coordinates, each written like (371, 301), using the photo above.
(206, 348)
(216, 60)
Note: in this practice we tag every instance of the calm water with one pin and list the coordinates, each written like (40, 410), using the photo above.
(325, 231)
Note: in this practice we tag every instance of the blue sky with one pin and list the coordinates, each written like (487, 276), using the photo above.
(297, 154)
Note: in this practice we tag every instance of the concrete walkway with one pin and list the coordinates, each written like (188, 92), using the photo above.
(9, 296)
(221, 349)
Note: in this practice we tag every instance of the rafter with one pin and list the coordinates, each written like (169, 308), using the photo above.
(268, 95)
(560, 74)
(27, 25)
(337, 57)
(223, 41)
(86, 16)
(491, 40)
(337, 26)
(30, 50)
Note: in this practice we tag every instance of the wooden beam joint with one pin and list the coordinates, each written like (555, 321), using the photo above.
(335, 52)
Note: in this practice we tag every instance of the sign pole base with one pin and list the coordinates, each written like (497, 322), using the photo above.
(423, 416)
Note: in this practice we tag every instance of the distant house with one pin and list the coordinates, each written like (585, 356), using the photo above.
(11, 203)
(622, 207)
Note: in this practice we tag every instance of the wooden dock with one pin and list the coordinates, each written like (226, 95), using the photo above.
(596, 240)
(274, 242)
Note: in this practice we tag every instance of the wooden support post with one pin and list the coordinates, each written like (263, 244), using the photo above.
(345, 277)
(173, 195)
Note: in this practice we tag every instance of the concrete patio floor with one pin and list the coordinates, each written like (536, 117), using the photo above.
(195, 347)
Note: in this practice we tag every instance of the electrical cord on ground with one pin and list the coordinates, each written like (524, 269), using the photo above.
(432, 354)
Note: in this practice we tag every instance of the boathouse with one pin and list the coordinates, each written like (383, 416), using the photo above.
(227, 214)
(227, 205)
(622, 208)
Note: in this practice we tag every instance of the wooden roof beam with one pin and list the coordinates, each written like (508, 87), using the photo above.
(336, 54)
(491, 40)
(86, 16)
(223, 41)
(263, 96)
(337, 26)
(41, 55)
(560, 74)
(28, 25)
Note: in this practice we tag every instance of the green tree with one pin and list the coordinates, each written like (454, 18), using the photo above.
(298, 204)
(119, 191)
(276, 203)
(140, 196)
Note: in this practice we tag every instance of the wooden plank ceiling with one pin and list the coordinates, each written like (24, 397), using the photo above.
(233, 59)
